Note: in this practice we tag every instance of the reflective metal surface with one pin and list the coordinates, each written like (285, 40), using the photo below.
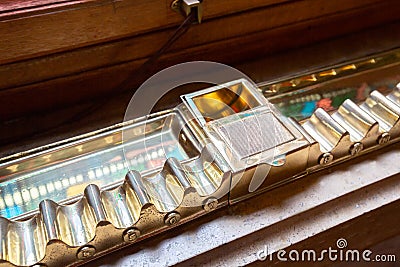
(64, 172)
(110, 188)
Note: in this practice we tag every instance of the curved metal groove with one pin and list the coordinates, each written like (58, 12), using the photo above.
(48, 211)
(352, 128)
(146, 204)
(363, 129)
(128, 205)
(23, 242)
(386, 112)
(133, 180)
(119, 211)
(92, 194)
(76, 223)
(395, 95)
(326, 131)
(355, 120)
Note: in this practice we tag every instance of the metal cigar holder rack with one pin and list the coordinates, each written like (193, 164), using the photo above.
(69, 202)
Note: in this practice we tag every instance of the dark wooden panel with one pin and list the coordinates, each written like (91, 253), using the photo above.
(62, 27)
(13, 6)
(93, 57)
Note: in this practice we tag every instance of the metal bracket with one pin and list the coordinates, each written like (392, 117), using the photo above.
(186, 7)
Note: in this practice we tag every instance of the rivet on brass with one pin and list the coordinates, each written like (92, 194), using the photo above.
(325, 158)
(85, 252)
(356, 148)
(130, 235)
(210, 204)
(172, 218)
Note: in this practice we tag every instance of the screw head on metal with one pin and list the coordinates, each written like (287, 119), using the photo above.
(130, 235)
(210, 204)
(172, 218)
(325, 158)
(356, 148)
(384, 138)
(85, 252)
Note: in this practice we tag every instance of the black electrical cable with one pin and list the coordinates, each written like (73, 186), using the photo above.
(144, 71)
(147, 67)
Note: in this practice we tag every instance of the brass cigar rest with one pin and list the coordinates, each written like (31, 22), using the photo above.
(66, 203)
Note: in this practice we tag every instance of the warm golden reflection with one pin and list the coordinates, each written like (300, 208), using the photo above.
(224, 102)
(328, 73)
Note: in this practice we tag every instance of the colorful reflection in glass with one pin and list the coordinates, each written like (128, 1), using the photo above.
(302, 106)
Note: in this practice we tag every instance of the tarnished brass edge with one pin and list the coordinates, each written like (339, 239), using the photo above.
(344, 145)
(77, 228)
(342, 150)
(86, 228)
